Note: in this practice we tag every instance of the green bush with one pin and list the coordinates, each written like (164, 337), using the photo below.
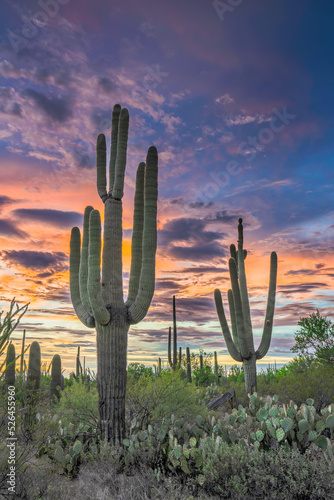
(151, 399)
(137, 370)
(299, 381)
(78, 404)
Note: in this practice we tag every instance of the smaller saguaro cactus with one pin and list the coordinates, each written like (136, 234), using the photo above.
(78, 365)
(188, 365)
(32, 387)
(216, 367)
(22, 351)
(172, 360)
(34, 367)
(159, 367)
(241, 346)
(201, 361)
(56, 377)
(10, 366)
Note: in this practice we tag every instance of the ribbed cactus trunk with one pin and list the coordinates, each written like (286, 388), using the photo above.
(111, 377)
(241, 347)
(98, 297)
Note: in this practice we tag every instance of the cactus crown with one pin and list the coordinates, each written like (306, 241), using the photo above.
(96, 301)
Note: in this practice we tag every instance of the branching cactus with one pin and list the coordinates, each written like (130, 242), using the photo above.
(10, 366)
(241, 346)
(98, 300)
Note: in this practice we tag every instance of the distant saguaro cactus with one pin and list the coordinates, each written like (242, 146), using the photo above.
(56, 377)
(32, 387)
(99, 303)
(10, 366)
(188, 365)
(34, 368)
(241, 347)
(22, 351)
(172, 360)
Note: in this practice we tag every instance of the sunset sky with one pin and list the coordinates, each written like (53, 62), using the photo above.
(238, 99)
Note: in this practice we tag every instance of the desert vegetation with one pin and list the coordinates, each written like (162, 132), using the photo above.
(277, 442)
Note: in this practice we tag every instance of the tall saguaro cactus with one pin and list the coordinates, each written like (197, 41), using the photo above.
(241, 347)
(98, 300)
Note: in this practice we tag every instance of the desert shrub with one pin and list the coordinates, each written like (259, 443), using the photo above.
(237, 472)
(204, 377)
(300, 381)
(150, 399)
(137, 370)
(78, 405)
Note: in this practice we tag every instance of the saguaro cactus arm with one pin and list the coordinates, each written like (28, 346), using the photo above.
(101, 160)
(101, 313)
(268, 323)
(142, 302)
(243, 288)
(137, 235)
(232, 349)
(122, 142)
(113, 151)
(243, 334)
(84, 316)
(83, 269)
(233, 319)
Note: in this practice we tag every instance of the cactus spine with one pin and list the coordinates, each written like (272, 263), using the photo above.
(188, 365)
(10, 366)
(56, 377)
(100, 303)
(241, 347)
